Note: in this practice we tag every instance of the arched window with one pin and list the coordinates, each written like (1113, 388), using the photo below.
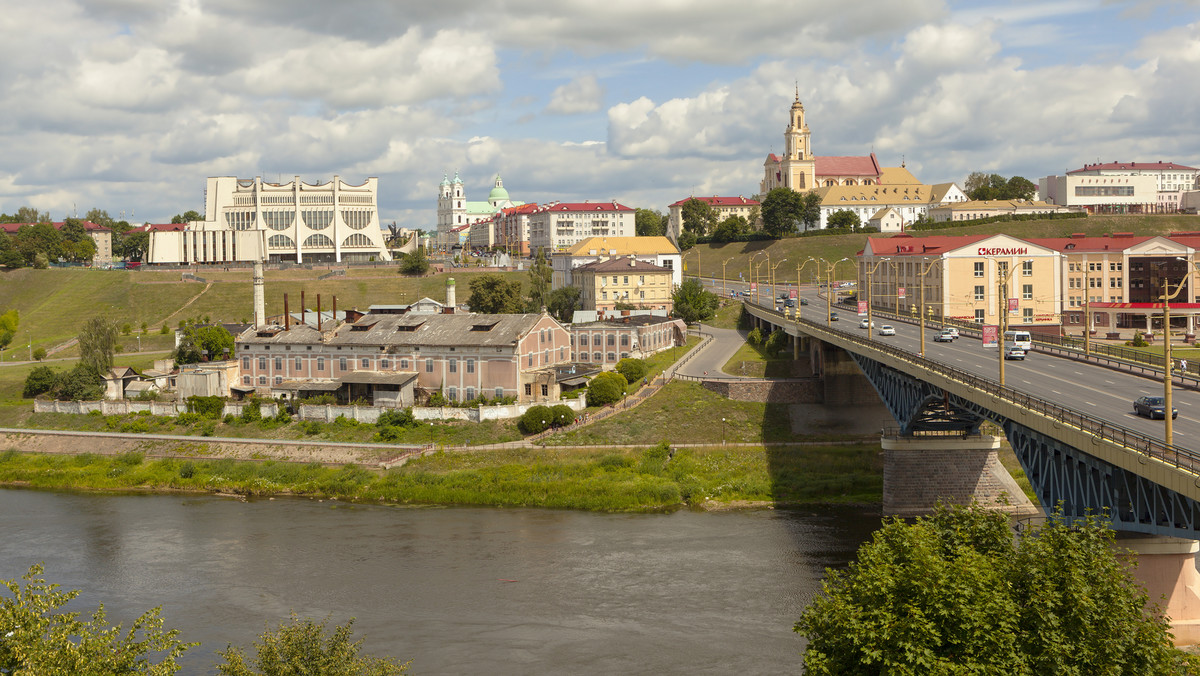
(356, 219)
(358, 239)
(278, 220)
(317, 220)
(280, 242)
(318, 241)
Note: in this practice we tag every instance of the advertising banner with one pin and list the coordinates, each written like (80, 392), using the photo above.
(792, 294)
(862, 308)
(991, 333)
(753, 287)
(900, 293)
(1012, 306)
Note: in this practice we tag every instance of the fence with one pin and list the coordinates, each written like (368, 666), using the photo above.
(128, 407)
(370, 414)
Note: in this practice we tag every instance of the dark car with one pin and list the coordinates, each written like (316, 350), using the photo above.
(833, 316)
(803, 301)
(1153, 407)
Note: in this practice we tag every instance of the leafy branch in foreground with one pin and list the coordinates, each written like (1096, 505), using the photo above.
(302, 646)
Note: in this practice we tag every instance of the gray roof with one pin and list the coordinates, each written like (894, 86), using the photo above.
(467, 330)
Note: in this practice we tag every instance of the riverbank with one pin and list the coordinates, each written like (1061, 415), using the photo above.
(656, 478)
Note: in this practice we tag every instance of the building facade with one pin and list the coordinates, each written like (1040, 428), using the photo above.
(456, 215)
(250, 220)
(628, 281)
(658, 251)
(908, 202)
(560, 225)
(1122, 187)
(973, 209)
(604, 342)
(723, 206)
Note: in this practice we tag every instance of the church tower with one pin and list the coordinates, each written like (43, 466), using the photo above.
(799, 165)
(451, 209)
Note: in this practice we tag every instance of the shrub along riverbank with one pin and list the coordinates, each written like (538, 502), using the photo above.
(648, 479)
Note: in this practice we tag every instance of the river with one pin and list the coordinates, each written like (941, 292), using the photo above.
(459, 590)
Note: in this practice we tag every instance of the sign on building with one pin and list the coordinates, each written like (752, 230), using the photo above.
(990, 335)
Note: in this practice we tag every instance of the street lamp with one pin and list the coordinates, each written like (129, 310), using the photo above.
(774, 291)
(871, 292)
(924, 272)
(722, 431)
(751, 271)
(1087, 309)
(1004, 274)
(1167, 296)
(755, 276)
(431, 434)
(724, 291)
(829, 288)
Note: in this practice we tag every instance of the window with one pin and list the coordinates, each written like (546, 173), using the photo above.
(612, 340)
(262, 363)
(246, 363)
(320, 363)
(429, 365)
(545, 390)
(1114, 267)
(245, 380)
(596, 356)
(1027, 292)
(470, 393)
(278, 379)
(979, 269)
(1027, 269)
(612, 356)
(470, 366)
(385, 364)
(583, 356)
(528, 389)
(403, 364)
(626, 279)
(1027, 315)
(979, 292)
(297, 363)
(499, 392)
(583, 340)
(453, 365)
(365, 363)
(452, 394)
(1095, 267)
(979, 316)
(1114, 282)
(625, 341)
(530, 360)
(342, 363)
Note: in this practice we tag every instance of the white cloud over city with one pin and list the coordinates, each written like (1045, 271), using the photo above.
(128, 105)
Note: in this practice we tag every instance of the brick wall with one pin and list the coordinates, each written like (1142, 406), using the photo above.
(800, 391)
(915, 479)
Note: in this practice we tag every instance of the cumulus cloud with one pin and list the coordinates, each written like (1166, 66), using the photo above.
(581, 95)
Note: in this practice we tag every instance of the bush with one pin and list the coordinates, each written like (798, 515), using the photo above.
(633, 369)
(164, 330)
(755, 337)
(562, 415)
(397, 418)
(81, 384)
(187, 418)
(606, 388)
(40, 380)
(187, 470)
(39, 353)
(536, 420)
(206, 407)
(251, 412)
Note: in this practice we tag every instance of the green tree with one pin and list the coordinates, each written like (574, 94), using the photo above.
(693, 303)
(606, 388)
(536, 419)
(730, 228)
(956, 593)
(698, 216)
(562, 415)
(302, 646)
(782, 210)
(9, 321)
(41, 379)
(10, 257)
(540, 276)
(97, 344)
(810, 210)
(493, 294)
(975, 181)
(99, 217)
(415, 263)
(36, 637)
(633, 369)
(78, 245)
(648, 223)
(687, 240)
(1019, 188)
(133, 245)
(564, 301)
(844, 218)
(40, 238)
(80, 384)
(197, 341)
(187, 217)
(30, 215)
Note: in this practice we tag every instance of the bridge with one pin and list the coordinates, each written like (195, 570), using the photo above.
(1067, 416)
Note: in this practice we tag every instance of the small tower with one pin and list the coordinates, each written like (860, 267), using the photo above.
(260, 297)
(799, 165)
(451, 301)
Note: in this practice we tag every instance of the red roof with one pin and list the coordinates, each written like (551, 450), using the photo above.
(721, 201)
(773, 158)
(11, 228)
(848, 166)
(162, 227)
(1130, 166)
(907, 245)
(586, 206)
(915, 246)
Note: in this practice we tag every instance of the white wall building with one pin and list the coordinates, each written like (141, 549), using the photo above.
(1102, 192)
(253, 220)
(560, 225)
(658, 251)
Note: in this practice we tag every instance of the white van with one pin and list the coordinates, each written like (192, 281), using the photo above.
(1018, 339)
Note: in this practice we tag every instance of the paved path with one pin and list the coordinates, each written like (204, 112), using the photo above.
(712, 357)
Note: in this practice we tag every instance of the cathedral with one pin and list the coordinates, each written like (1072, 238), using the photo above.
(800, 170)
(455, 215)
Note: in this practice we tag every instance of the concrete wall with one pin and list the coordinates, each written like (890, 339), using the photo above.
(370, 414)
(799, 391)
(126, 407)
(918, 472)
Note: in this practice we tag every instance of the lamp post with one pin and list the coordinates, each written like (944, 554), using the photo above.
(871, 292)
(1004, 274)
(431, 434)
(724, 291)
(722, 431)
(751, 271)
(1167, 296)
(758, 279)
(924, 272)
(829, 289)
(774, 292)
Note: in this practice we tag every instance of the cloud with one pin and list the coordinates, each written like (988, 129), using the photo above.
(581, 95)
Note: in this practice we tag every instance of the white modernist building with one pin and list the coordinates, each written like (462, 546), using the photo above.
(253, 220)
(560, 225)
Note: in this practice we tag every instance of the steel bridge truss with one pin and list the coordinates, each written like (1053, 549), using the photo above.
(1061, 475)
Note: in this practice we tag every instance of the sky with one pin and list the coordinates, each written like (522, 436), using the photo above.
(129, 105)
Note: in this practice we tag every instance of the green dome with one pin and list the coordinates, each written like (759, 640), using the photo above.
(498, 194)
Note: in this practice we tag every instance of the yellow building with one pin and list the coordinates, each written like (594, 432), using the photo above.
(629, 281)
(657, 251)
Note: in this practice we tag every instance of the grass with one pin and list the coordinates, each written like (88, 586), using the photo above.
(644, 479)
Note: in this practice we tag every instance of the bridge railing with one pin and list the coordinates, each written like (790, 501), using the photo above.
(1137, 442)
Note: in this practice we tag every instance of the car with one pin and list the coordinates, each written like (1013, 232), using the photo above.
(1013, 352)
(943, 337)
(833, 316)
(951, 330)
(804, 301)
(791, 302)
(866, 324)
(1153, 407)
(887, 330)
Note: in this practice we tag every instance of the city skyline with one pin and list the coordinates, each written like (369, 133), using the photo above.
(129, 105)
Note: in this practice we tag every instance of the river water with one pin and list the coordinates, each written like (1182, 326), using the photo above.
(458, 591)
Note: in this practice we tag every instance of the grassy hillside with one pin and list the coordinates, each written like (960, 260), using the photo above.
(834, 247)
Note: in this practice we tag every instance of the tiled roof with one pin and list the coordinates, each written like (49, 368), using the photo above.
(162, 227)
(874, 195)
(773, 158)
(623, 246)
(906, 245)
(847, 166)
(622, 264)
(585, 206)
(1133, 166)
(897, 176)
(715, 201)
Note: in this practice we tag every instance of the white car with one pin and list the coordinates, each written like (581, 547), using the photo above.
(887, 330)
(866, 324)
(951, 330)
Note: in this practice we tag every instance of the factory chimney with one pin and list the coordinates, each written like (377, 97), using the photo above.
(260, 297)
(451, 301)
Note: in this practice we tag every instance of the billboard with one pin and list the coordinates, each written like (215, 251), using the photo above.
(862, 308)
(900, 293)
(991, 333)
(792, 294)
(1012, 306)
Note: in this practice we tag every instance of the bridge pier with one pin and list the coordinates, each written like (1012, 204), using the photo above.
(1167, 568)
(844, 381)
(921, 470)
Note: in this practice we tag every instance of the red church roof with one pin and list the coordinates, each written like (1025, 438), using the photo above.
(847, 166)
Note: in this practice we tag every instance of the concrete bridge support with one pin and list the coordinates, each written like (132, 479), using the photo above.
(1167, 569)
(845, 384)
(921, 470)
